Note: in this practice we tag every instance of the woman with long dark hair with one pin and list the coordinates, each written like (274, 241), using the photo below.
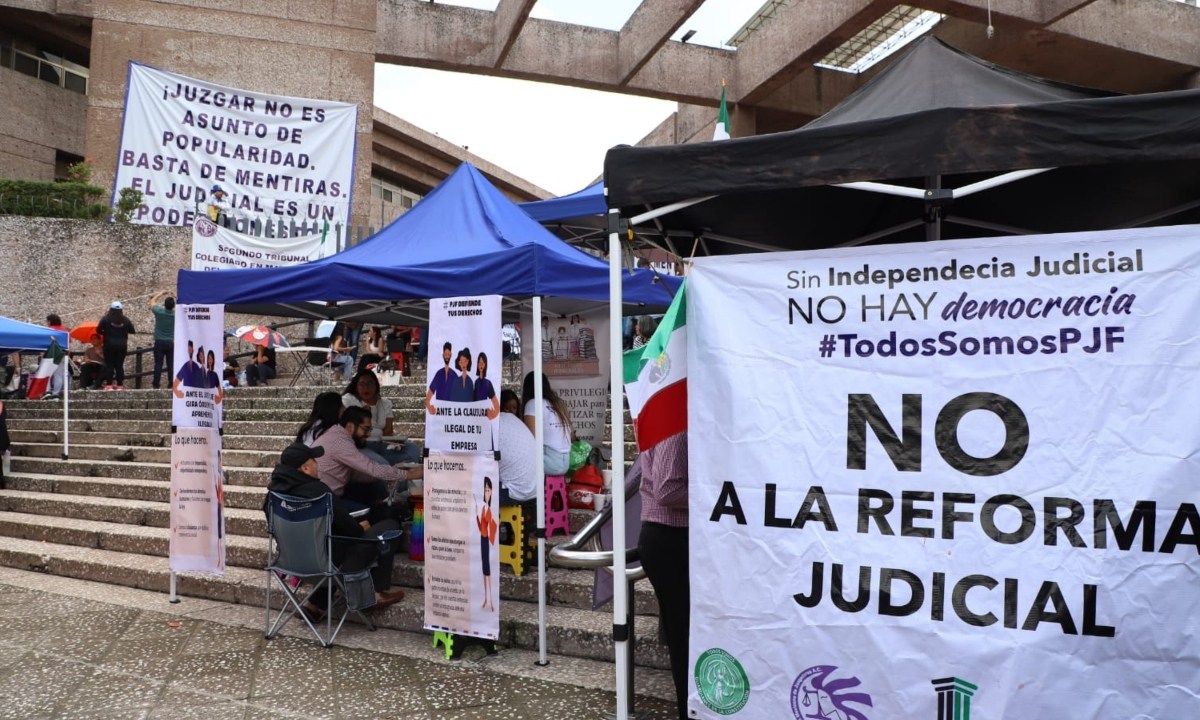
(363, 391)
(556, 440)
(376, 348)
(326, 409)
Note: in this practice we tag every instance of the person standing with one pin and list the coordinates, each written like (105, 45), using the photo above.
(54, 322)
(162, 305)
(115, 328)
(5, 443)
(663, 548)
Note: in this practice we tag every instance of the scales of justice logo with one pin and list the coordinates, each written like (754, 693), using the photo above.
(817, 695)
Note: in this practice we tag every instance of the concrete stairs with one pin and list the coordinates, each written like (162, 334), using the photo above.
(103, 514)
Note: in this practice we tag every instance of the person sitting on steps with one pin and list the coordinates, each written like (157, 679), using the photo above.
(297, 474)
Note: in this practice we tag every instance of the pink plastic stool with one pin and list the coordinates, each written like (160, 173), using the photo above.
(558, 515)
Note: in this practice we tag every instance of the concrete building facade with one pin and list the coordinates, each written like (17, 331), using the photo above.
(63, 65)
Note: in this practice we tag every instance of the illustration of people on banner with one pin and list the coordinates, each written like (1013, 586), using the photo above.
(575, 357)
(462, 585)
(462, 402)
(196, 388)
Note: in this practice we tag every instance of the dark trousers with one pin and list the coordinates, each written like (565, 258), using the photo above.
(164, 356)
(259, 374)
(114, 358)
(359, 556)
(664, 553)
(93, 375)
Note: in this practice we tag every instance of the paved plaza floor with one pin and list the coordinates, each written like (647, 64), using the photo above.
(77, 649)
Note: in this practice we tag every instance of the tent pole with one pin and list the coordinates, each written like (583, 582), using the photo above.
(540, 435)
(621, 585)
(66, 396)
(935, 206)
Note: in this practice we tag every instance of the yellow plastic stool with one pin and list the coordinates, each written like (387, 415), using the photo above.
(516, 551)
(446, 639)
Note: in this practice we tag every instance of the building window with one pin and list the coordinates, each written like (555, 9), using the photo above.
(51, 68)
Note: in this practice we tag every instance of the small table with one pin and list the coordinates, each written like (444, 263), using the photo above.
(301, 355)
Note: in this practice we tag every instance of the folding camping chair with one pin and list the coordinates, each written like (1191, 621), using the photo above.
(300, 545)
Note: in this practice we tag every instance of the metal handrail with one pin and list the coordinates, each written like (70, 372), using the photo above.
(583, 550)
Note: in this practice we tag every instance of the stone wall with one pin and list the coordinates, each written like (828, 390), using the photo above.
(76, 268)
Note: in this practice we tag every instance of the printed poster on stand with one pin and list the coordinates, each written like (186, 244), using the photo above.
(462, 573)
(951, 479)
(197, 517)
(196, 393)
(575, 358)
(464, 374)
(194, 148)
(197, 509)
(215, 247)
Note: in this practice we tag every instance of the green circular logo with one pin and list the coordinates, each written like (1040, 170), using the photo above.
(721, 682)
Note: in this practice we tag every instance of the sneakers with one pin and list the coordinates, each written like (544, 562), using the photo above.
(118, 387)
(110, 387)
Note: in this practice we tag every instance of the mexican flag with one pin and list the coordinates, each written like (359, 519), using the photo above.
(656, 379)
(45, 370)
(721, 132)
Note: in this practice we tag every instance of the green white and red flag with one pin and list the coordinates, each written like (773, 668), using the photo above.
(656, 378)
(721, 131)
(40, 381)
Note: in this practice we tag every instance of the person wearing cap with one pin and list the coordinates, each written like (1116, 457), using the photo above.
(296, 474)
(218, 204)
(115, 328)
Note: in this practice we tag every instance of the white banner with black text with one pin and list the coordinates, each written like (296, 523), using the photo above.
(194, 148)
(945, 480)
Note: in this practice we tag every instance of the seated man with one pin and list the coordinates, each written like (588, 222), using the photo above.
(296, 474)
(347, 472)
(518, 455)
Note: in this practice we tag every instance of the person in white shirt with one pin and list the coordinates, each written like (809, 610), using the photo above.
(556, 436)
(518, 456)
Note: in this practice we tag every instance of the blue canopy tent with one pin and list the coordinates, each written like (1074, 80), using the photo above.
(464, 238)
(585, 202)
(17, 335)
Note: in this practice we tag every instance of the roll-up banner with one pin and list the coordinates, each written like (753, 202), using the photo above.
(197, 512)
(462, 556)
(464, 374)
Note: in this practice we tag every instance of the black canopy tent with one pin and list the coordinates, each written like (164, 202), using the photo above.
(939, 145)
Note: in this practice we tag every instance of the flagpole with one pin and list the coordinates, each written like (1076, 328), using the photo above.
(621, 639)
